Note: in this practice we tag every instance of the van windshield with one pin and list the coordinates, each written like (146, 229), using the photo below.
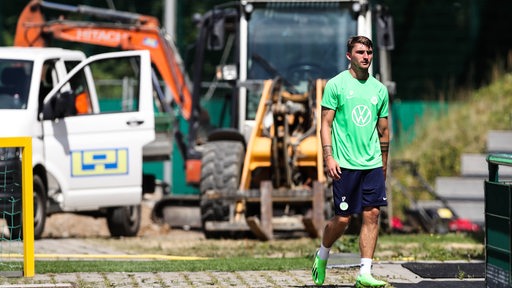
(15, 78)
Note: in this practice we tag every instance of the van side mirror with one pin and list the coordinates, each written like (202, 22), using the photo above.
(59, 106)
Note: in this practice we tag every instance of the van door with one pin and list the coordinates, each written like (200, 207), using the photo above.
(94, 135)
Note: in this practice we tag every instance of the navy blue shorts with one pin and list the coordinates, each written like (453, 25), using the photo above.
(358, 189)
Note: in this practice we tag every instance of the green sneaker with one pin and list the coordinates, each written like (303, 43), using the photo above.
(318, 271)
(367, 281)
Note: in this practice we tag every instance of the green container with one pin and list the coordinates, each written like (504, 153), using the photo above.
(498, 225)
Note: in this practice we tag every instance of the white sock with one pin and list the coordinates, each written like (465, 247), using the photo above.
(323, 253)
(366, 265)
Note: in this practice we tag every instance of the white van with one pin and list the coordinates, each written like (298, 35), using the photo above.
(87, 157)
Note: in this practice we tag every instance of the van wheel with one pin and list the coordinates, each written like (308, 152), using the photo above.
(124, 221)
(15, 221)
(39, 207)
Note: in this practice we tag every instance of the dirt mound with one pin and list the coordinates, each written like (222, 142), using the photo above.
(68, 225)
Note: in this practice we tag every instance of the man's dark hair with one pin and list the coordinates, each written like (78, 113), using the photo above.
(352, 41)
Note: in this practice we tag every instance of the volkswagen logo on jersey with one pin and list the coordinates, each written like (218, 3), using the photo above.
(361, 115)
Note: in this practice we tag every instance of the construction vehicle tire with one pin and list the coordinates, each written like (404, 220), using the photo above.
(221, 167)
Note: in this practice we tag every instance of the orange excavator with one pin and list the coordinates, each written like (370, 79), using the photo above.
(125, 31)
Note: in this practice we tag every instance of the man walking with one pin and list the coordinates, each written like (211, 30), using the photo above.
(355, 141)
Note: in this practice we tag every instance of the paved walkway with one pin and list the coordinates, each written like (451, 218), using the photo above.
(336, 277)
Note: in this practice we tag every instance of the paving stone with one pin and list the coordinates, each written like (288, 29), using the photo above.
(336, 277)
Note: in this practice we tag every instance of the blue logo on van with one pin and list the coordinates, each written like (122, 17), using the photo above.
(99, 162)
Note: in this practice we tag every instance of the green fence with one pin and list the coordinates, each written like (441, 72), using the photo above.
(408, 116)
(498, 214)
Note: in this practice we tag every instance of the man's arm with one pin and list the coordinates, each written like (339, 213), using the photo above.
(333, 169)
(382, 127)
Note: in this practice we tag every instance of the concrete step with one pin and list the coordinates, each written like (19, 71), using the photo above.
(499, 141)
(471, 210)
(460, 188)
(475, 165)
(464, 196)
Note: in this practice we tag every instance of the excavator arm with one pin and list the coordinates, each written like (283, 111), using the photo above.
(123, 30)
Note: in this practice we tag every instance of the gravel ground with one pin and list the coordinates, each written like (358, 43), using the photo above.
(68, 225)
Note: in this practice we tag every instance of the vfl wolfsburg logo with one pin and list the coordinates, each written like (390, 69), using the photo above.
(361, 115)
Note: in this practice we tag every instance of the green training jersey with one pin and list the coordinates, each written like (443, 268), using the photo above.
(358, 106)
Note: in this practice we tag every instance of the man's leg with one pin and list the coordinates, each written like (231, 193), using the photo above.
(345, 204)
(333, 231)
(367, 243)
(369, 232)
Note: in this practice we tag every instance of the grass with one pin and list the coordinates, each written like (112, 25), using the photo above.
(414, 247)
(390, 247)
(219, 264)
(281, 255)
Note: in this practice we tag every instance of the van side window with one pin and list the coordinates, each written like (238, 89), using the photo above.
(14, 83)
(49, 79)
(78, 85)
(115, 83)
(117, 87)
(80, 90)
